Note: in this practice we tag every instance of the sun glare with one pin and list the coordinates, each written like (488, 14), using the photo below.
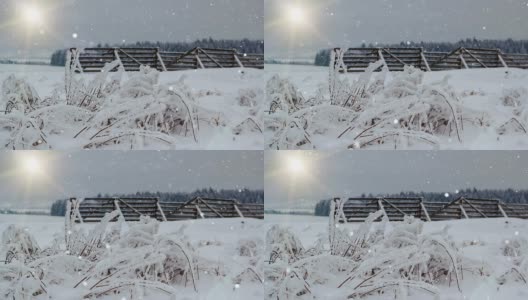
(295, 165)
(296, 15)
(32, 165)
(31, 14)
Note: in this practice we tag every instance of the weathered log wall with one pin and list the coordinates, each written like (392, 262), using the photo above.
(357, 209)
(94, 209)
(357, 59)
(94, 59)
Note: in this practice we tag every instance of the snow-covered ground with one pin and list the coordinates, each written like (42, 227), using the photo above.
(479, 245)
(195, 109)
(216, 246)
(488, 108)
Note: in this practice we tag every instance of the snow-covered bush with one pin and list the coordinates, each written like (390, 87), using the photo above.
(249, 247)
(282, 244)
(116, 260)
(517, 100)
(19, 95)
(19, 244)
(283, 95)
(516, 251)
(118, 110)
(515, 97)
(390, 110)
(370, 111)
(378, 258)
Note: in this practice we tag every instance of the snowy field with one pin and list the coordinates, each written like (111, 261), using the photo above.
(50, 108)
(486, 251)
(225, 253)
(459, 109)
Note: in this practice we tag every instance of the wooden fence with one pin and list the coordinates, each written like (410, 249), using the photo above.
(201, 208)
(94, 209)
(358, 209)
(94, 59)
(358, 59)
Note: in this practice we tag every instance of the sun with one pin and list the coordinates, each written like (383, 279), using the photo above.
(31, 14)
(296, 15)
(32, 165)
(295, 165)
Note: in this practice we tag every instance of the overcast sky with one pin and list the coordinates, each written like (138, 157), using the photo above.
(350, 22)
(330, 174)
(87, 173)
(113, 21)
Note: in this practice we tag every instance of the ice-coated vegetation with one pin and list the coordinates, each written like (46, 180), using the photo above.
(394, 110)
(132, 110)
(122, 260)
(390, 260)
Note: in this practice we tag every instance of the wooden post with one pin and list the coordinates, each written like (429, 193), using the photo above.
(199, 62)
(161, 211)
(426, 63)
(162, 64)
(116, 55)
(425, 212)
(238, 211)
(502, 210)
(380, 205)
(199, 211)
(238, 60)
(380, 57)
(502, 60)
(116, 206)
(462, 62)
(463, 211)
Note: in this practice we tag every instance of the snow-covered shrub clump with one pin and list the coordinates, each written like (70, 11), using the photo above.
(379, 258)
(18, 244)
(19, 95)
(516, 252)
(389, 110)
(516, 99)
(124, 110)
(119, 260)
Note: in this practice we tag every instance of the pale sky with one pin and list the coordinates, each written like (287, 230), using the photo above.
(348, 23)
(323, 175)
(113, 21)
(87, 173)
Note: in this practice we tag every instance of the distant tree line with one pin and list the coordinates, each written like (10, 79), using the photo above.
(18, 62)
(322, 58)
(292, 212)
(6, 211)
(58, 58)
(58, 208)
(322, 208)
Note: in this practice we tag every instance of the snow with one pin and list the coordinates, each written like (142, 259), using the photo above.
(479, 243)
(223, 106)
(223, 248)
(485, 99)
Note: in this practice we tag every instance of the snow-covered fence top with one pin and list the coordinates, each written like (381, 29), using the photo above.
(94, 209)
(358, 59)
(358, 209)
(94, 59)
